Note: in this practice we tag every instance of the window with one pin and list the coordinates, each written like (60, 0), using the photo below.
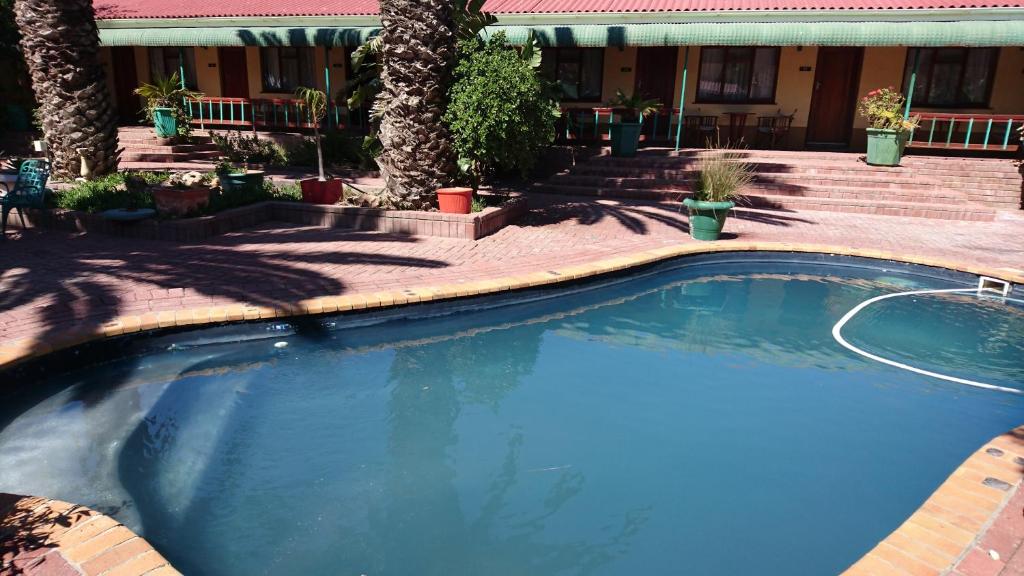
(951, 77)
(286, 68)
(577, 70)
(745, 75)
(164, 61)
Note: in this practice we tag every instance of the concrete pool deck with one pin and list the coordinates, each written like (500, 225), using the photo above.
(58, 290)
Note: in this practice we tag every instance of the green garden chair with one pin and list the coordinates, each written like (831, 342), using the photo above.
(29, 191)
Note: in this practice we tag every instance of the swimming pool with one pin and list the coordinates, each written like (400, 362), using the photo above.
(696, 418)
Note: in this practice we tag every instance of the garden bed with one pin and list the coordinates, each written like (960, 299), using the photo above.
(466, 226)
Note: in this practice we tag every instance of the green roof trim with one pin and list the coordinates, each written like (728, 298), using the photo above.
(987, 33)
(955, 33)
(225, 36)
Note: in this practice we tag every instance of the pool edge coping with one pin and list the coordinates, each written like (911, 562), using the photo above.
(56, 537)
(13, 352)
(942, 521)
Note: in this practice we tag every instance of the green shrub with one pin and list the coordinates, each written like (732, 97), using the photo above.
(222, 199)
(110, 192)
(249, 149)
(501, 112)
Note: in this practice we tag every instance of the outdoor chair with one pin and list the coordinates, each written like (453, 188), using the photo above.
(773, 129)
(704, 128)
(29, 191)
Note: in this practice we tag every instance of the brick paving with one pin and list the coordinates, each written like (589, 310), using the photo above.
(51, 281)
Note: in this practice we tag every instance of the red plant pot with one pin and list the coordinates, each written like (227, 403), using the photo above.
(316, 191)
(455, 200)
(180, 201)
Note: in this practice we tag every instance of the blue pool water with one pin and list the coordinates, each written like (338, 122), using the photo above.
(696, 420)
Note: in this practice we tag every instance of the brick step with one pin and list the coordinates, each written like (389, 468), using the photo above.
(612, 179)
(186, 166)
(855, 198)
(168, 156)
(1004, 169)
(819, 158)
(176, 148)
(669, 153)
(802, 189)
(154, 141)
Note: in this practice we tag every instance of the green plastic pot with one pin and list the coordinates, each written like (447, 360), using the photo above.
(165, 123)
(625, 139)
(241, 181)
(885, 147)
(707, 218)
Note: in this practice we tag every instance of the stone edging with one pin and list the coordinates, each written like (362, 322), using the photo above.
(41, 537)
(465, 226)
(16, 351)
(946, 527)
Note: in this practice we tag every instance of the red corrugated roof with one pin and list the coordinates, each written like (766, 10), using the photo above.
(106, 9)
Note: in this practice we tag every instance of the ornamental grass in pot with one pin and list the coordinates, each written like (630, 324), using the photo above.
(888, 129)
(625, 135)
(721, 174)
(320, 190)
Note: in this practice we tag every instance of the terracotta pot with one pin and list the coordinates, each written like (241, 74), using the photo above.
(315, 191)
(455, 200)
(180, 201)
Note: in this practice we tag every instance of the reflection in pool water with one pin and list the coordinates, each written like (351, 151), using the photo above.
(700, 420)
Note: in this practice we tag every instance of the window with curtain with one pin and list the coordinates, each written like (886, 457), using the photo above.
(951, 77)
(166, 60)
(578, 71)
(285, 68)
(737, 74)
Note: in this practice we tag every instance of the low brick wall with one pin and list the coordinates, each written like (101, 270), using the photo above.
(466, 226)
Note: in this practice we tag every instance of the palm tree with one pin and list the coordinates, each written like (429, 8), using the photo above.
(417, 56)
(61, 46)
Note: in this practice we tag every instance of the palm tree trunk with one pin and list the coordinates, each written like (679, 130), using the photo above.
(61, 46)
(417, 56)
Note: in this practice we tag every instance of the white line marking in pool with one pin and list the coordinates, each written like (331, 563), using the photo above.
(838, 328)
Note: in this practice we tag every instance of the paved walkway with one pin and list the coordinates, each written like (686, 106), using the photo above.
(51, 281)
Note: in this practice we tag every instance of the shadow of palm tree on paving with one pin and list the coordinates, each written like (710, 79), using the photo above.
(51, 281)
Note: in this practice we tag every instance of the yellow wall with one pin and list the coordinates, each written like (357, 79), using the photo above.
(207, 78)
(619, 71)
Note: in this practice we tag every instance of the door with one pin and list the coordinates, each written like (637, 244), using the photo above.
(234, 73)
(656, 73)
(126, 80)
(834, 99)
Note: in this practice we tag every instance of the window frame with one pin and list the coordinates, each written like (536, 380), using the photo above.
(989, 81)
(699, 99)
(557, 50)
(178, 52)
(299, 51)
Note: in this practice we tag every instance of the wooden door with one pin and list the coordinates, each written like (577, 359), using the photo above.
(126, 80)
(656, 73)
(834, 99)
(234, 73)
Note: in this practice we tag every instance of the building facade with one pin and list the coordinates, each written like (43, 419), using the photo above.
(735, 65)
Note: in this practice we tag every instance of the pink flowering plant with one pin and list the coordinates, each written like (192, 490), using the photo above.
(883, 108)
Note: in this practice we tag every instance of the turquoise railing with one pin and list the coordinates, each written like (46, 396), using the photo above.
(992, 132)
(265, 113)
(594, 124)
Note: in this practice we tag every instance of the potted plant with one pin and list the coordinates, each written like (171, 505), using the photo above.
(888, 129)
(321, 190)
(165, 108)
(234, 178)
(625, 135)
(182, 194)
(721, 174)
